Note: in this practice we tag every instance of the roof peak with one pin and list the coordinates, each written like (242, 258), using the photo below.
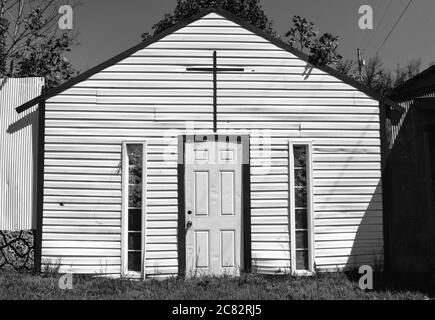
(227, 15)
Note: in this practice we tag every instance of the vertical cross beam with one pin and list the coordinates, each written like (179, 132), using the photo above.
(214, 70)
(214, 91)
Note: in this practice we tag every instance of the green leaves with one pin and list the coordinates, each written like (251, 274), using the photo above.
(302, 33)
(324, 50)
(4, 26)
(248, 10)
(47, 59)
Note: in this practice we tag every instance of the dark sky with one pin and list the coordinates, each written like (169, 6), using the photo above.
(108, 27)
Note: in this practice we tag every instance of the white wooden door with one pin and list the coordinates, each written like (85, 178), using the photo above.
(213, 204)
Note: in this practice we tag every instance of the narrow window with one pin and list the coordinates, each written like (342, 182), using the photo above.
(135, 209)
(301, 207)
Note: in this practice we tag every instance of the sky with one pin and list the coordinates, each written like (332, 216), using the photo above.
(108, 27)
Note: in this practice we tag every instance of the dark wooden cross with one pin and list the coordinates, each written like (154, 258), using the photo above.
(215, 70)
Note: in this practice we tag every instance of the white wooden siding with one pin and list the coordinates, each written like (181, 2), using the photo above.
(18, 150)
(150, 97)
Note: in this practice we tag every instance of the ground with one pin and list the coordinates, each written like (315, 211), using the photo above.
(20, 285)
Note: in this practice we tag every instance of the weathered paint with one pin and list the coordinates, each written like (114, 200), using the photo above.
(150, 97)
(18, 149)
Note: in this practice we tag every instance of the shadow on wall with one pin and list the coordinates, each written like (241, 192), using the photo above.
(16, 247)
(17, 167)
(367, 243)
(30, 119)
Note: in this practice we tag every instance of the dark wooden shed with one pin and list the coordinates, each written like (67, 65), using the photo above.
(410, 172)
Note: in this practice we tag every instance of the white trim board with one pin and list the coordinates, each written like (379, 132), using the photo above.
(310, 213)
(124, 216)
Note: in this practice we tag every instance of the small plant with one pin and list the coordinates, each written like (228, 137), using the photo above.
(51, 268)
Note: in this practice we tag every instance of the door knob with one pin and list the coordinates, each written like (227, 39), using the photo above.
(189, 224)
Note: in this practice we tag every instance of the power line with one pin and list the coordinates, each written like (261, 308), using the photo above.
(395, 25)
(379, 24)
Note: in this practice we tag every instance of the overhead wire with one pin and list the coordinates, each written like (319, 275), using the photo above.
(394, 26)
(379, 24)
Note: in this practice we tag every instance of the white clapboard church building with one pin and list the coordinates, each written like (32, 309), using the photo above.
(211, 148)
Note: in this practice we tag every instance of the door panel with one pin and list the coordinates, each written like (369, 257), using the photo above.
(227, 192)
(213, 203)
(201, 193)
(202, 251)
(228, 251)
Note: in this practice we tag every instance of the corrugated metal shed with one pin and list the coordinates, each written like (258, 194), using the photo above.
(18, 149)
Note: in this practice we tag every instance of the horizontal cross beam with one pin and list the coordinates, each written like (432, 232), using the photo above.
(215, 69)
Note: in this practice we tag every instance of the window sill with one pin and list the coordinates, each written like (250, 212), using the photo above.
(303, 273)
(134, 275)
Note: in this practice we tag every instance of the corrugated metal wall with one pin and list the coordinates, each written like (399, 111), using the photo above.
(406, 104)
(18, 143)
(148, 96)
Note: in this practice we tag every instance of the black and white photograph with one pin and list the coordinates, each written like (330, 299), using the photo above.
(217, 150)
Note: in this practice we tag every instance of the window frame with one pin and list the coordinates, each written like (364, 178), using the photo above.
(310, 211)
(124, 211)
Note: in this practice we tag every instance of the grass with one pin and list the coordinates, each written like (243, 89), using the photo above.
(15, 285)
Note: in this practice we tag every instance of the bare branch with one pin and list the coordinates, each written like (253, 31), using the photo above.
(25, 33)
(33, 44)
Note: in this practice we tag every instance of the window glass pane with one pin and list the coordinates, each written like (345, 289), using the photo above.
(134, 263)
(300, 156)
(302, 259)
(134, 241)
(134, 219)
(134, 154)
(135, 196)
(301, 177)
(135, 160)
(301, 239)
(135, 175)
(301, 219)
(300, 197)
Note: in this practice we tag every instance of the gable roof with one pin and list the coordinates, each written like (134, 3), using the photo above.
(54, 91)
(421, 84)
